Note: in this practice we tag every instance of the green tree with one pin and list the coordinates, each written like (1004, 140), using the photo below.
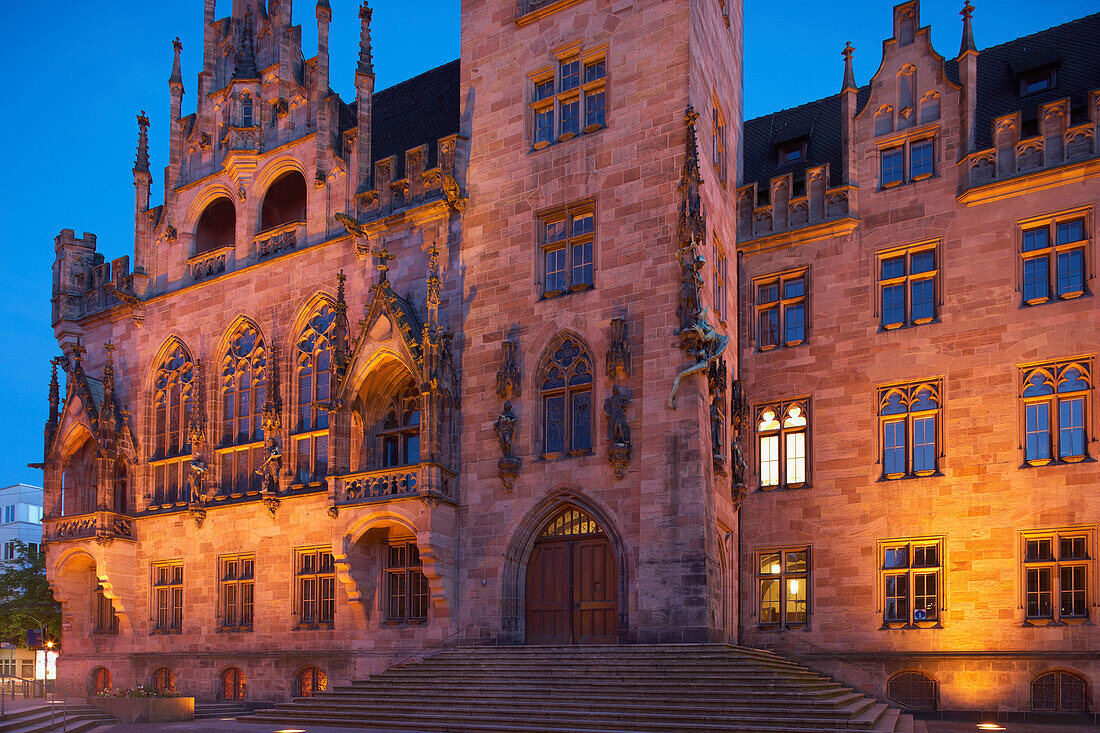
(26, 601)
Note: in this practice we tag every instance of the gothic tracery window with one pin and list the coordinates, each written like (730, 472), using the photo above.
(400, 434)
(314, 364)
(1056, 399)
(565, 386)
(243, 375)
(78, 485)
(172, 399)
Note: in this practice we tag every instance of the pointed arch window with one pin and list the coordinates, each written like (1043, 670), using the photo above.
(244, 382)
(78, 484)
(314, 371)
(1057, 409)
(781, 430)
(400, 433)
(173, 388)
(911, 428)
(565, 387)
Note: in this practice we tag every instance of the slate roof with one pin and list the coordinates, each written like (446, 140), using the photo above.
(1073, 46)
(413, 112)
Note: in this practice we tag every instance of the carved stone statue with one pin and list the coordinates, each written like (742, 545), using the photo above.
(194, 478)
(737, 459)
(618, 431)
(707, 346)
(716, 428)
(271, 466)
(688, 309)
(505, 428)
(508, 378)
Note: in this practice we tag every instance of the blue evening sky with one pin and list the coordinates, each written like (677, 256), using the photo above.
(79, 72)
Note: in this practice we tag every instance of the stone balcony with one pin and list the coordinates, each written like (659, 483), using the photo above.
(428, 481)
(276, 240)
(103, 526)
(210, 264)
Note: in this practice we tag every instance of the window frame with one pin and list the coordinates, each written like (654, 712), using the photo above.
(911, 571)
(240, 454)
(1052, 253)
(568, 393)
(399, 426)
(906, 281)
(782, 433)
(784, 576)
(1058, 675)
(903, 142)
(1054, 563)
(322, 577)
(721, 277)
(719, 155)
(909, 392)
(166, 596)
(241, 583)
(781, 305)
(589, 95)
(104, 615)
(311, 419)
(170, 425)
(415, 592)
(1056, 374)
(568, 242)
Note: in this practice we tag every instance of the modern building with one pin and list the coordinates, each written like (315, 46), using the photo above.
(20, 518)
(498, 356)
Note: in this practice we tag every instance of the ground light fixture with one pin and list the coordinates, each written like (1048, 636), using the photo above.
(990, 726)
(291, 730)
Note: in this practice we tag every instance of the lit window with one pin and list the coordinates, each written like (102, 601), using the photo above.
(315, 578)
(236, 591)
(406, 584)
(909, 416)
(314, 376)
(566, 395)
(781, 437)
(567, 241)
(908, 283)
(569, 100)
(172, 395)
(1056, 568)
(912, 581)
(1056, 402)
(243, 378)
(781, 309)
(1054, 254)
(783, 580)
(168, 596)
(310, 681)
(164, 680)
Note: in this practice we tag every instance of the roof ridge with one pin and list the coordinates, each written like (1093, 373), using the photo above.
(415, 78)
(1039, 33)
(798, 106)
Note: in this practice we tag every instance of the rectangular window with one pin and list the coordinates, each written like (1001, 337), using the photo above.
(567, 238)
(569, 99)
(781, 430)
(720, 275)
(893, 161)
(168, 596)
(1054, 257)
(406, 585)
(781, 309)
(910, 428)
(783, 580)
(1056, 402)
(236, 591)
(908, 283)
(315, 578)
(1056, 568)
(911, 573)
(106, 620)
(719, 142)
(920, 159)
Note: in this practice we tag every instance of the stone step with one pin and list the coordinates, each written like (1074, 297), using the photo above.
(37, 719)
(689, 667)
(565, 685)
(208, 710)
(581, 677)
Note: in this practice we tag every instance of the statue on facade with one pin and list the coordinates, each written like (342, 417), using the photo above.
(618, 430)
(195, 474)
(707, 346)
(270, 468)
(688, 308)
(505, 428)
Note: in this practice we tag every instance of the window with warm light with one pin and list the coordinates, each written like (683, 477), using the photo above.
(167, 596)
(911, 573)
(569, 98)
(1054, 257)
(781, 430)
(1059, 692)
(908, 285)
(315, 586)
(783, 582)
(1056, 411)
(1056, 569)
(910, 428)
(781, 309)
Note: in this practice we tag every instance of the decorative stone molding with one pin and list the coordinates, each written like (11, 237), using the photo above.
(508, 376)
(279, 239)
(618, 353)
(209, 264)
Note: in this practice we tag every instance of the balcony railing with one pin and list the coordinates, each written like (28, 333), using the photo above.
(104, 527)
(209, 264)
(429, 480)
(282, 238)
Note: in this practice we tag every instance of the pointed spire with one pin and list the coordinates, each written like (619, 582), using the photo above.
(109, 368)
(141, 164)
(366, 61)
(849, 74)
(55, 391)
(341, 350)
(176, 79)
(968, 33)
(246, 56)
(78, 357)
(271, 413)
(692, 219)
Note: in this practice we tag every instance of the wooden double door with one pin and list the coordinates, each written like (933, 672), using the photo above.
(572, 592)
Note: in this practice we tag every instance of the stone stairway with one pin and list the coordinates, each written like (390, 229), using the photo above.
(595, 689)
(71, 717)
(205, 710)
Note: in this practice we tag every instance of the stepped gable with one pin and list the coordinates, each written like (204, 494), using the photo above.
(598, 689)
(1072, 47)
(419, 110)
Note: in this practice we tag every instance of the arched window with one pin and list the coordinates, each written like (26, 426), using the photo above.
(909, 415)
(78, 484)
(914, 690)
(781, 433)
(284, 202)
(1061, 692)
(164, 680)
(172, 400)
(311, 681)
(120, 495)
(217, 226)
(243, 375)
(101, 680)
(571, 522)
(565, 386)
(1057, 407)
(400, 434)
(314, 372)
(233, 684)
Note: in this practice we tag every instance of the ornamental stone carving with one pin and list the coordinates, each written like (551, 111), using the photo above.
(618, 429)
(508, 377)
(618, 353)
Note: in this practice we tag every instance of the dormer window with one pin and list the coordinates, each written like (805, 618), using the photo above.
(1038, 80)
(791, 152)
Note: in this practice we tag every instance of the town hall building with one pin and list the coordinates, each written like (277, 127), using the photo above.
(546, 346)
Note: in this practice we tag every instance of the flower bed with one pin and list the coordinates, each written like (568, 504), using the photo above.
(145, 705)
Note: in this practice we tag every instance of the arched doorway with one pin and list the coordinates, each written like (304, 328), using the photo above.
(572, 585)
